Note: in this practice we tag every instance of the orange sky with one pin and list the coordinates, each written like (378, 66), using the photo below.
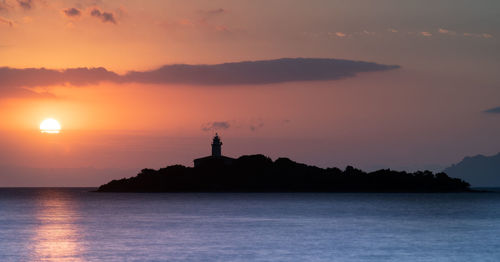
(426, 114)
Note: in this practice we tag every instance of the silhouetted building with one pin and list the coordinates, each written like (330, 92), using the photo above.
(216, 157)
(216, 146)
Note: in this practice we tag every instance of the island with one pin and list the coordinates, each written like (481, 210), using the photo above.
(259, 173)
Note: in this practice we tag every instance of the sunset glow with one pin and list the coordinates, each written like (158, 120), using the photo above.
(243, 130)
(50, 126)
(133, 84)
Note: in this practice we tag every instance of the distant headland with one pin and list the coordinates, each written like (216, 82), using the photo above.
(258, 173)
(480, 171)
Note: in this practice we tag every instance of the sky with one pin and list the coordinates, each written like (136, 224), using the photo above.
(394, 84)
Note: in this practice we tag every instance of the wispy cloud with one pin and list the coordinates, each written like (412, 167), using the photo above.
(4, 5)
(204, 22)
(222, 28)
(217, 11)
(483, 35)
(6, 21)
(252, 125)
(103, 16)
(454, 33)
(215, 126)
(340, 34)
(494, 110)
(207, 15)
(446, 31)
(72, 12)
(367, 33)
(256, 125)
(25, 4)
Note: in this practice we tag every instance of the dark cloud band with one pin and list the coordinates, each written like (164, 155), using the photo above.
(238, 73)
(257, 72)
(34, 77)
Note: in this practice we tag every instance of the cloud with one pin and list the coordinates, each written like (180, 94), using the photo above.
(217, 11)
(6, 21)
(222, 28)
(495, 110)
(11, 78)
(254, 127)
(329, 34)
(483, 35)
(209, 14)
(366, 32)
(446, 31)
(237, 73)
(204, 22)
(25, 4)
(340, 34)
(453, 33)
(443, 31)
(103, 16)
(72, 12)
(4, 6)
(257, 72)
(213, 126)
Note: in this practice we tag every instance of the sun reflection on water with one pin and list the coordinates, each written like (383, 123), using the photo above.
(57, 236)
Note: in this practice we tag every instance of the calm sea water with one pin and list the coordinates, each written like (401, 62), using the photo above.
(77, 225)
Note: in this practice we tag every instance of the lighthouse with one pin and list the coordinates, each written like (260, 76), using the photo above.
(216, 158)
(216, 146)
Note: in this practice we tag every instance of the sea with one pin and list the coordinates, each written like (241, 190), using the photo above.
(76, 224)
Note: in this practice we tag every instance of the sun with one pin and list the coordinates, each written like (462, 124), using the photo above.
(50, 126)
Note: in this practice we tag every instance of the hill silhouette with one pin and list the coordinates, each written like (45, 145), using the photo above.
(258, 173)
(480, 171)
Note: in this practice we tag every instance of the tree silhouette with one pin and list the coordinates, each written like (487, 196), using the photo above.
(258, 173)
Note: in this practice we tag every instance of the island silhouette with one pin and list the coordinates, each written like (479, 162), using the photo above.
(259, 173)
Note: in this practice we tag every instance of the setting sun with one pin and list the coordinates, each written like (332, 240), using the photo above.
(50, 126)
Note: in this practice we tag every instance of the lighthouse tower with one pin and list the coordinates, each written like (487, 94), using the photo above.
(216, 158)
(216, 146)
